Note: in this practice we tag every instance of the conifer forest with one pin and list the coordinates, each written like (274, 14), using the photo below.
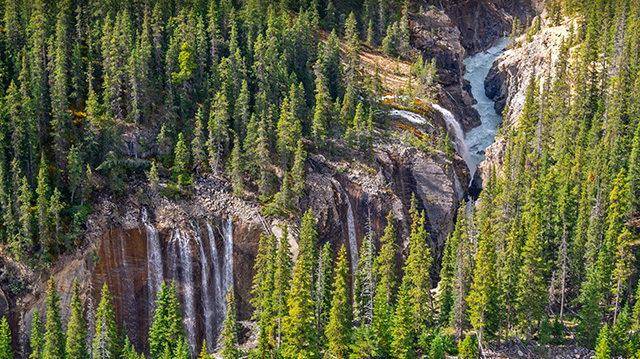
(301, 179)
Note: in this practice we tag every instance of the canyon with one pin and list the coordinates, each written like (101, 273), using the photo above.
(207, 244)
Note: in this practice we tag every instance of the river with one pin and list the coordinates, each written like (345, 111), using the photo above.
(479, 138)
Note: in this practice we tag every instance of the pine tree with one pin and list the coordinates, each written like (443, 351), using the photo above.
(365, 282)
(468, 348)
(26, 217)
(74, 173)
(297, 172)
(282, 280)
(182, 160)
(417, 278)
(167, 331)
(106, 343)
(308, 242)
(77, 329)
(402, 329)
(203, 353)
(5, 339)
(385, 267)
(230, 329)
(237, 168)
(43, 201)
(218, 130)
(36, 336)
(154, 177)
(484, 290)
(53, 336)
(198, 143)
(338, 331)
(299, 332)
(323, 287)
(603, 350)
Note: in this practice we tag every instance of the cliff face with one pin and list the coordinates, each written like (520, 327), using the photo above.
(509, 77)
(209, 243)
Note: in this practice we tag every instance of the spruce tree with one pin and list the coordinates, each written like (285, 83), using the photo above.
(106, 342)
(338, 331)
(297, 172)
(76, 347)
(281, 279)
(42, 201)
(167, 331)
(237, 168)
(383, 302)
(182, 160)
(323, 287)
(403, 324)
(299, 332)
(5, 339)
(417, 278)
(365, 282)
(484, 290)
(230, 329)
(603, 350)
(54, 342)
(36, 336)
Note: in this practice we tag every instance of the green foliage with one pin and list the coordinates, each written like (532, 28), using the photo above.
(106, 341)
(54, 343)
(167, 331)
(338, 330)
(6, 352)
(76, 346)
(603, 350)
(229, 329)
(36, 336)
(468, 348)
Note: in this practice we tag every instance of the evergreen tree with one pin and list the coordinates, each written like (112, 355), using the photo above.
(230, 329)
(5, 340)
(282, 280)
(167, 331)
(182, 160)
(402, 329)
(484, 290)
(297, 172)
(106, 342)
(237, 168)
(76, 347)
(323, 286)
(385, 268)
(417, 278)
(299, 332)
(43, 201)
(36, 336)
(338, 331)
(54, 342)
(365, 282)
(603, 351)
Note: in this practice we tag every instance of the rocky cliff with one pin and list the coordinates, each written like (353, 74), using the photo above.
(507, 82)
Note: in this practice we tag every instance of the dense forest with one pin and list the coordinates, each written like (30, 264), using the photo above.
(244, 89)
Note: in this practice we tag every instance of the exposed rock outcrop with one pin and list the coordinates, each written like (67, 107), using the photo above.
(508, 79)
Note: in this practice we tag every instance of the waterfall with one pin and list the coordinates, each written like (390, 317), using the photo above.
(227, 263)
(207, 301)
(458, 135)
(218, 293)
(181, 244)
(129, 297)
(353, 243)
(155, 275)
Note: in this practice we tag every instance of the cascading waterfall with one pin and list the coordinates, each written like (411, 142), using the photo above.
(353, 243)
(218, 293)
(208, 303)
(478, 66)
(181, 245)
(155, 275)
(458, 135)
(227, 264)
(129, 296)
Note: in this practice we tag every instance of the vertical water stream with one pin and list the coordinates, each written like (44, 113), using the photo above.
(479, 138)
